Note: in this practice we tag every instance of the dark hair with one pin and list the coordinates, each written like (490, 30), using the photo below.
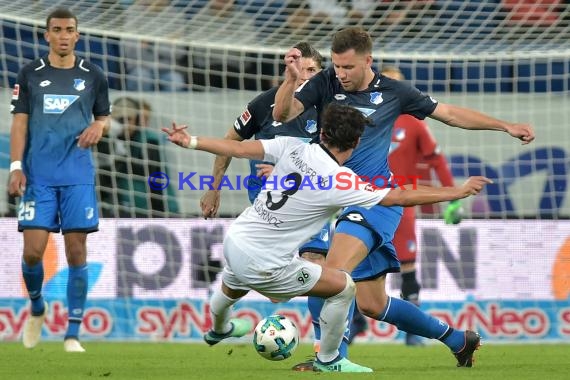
(342, 126)
(352, 38)
(60, 13)
(308, 51)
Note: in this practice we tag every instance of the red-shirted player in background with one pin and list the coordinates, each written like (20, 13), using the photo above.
(414, 153)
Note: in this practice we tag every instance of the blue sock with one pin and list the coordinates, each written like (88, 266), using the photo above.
(315, 305)
(76, 296)
(409, 318)
(34, 279)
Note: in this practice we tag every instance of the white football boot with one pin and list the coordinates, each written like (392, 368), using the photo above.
(33, 329)
(72, 345)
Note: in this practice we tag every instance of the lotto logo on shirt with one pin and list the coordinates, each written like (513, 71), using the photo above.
(57, 104)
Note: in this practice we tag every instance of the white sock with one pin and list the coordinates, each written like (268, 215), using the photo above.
(333, 321)
(220, 310)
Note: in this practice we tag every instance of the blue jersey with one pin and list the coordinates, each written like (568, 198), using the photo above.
(257, 121)
(60, 104)
(382, 102)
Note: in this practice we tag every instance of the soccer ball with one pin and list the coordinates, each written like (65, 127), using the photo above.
(276, 337)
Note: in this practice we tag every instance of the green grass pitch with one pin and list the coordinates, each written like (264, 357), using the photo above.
(240, 362)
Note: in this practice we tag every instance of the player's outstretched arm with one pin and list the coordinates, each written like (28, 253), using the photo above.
(466, 118)
(419, 195)
(241, 149)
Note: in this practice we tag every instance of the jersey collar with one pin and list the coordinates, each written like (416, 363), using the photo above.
(75, 63)
(375, 83)
(328, 152)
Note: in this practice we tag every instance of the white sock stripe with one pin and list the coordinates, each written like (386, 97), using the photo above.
(387, 308)
(445, 332)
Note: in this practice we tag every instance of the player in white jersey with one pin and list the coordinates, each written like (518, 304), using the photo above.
(307, 187)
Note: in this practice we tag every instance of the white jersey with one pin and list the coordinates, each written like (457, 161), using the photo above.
(306, 188)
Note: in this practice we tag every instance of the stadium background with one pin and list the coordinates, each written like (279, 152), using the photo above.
(505, 271)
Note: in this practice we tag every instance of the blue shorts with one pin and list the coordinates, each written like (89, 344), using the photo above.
(320, 242)
(375, 227)
(70, 208)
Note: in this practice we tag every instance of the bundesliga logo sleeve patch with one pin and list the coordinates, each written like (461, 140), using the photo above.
(245, 117)
(16, 92)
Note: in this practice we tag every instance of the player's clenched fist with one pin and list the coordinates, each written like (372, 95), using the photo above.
(293, 64)
(523, 132)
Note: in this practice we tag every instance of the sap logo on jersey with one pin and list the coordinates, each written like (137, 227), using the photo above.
(58, 103)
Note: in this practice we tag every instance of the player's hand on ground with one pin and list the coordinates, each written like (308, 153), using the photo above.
(523, 132)
(264, 170)
(474, 185)
(17, 183)
(90, 135)
(178, 135)
(210, 203)
(293, 64)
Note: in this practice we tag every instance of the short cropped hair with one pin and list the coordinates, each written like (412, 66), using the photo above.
(61, 13)
(308, 51)
(342, 126)
(352, 38)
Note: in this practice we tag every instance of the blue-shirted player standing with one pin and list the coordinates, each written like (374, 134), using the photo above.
(362, 244)
(60, 106)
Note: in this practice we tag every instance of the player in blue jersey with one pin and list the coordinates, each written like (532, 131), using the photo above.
(60, 106)
(257, 121)
(362, 244)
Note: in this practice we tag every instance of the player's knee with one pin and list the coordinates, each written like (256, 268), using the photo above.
(349, 291)
(32, 257)
(33, 254)
(372, 306)
(371, 310)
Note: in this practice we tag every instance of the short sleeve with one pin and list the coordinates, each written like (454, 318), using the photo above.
(414, 102)
(20, 95)
(276, 148)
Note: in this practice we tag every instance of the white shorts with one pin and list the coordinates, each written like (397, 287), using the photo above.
(244, 270)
